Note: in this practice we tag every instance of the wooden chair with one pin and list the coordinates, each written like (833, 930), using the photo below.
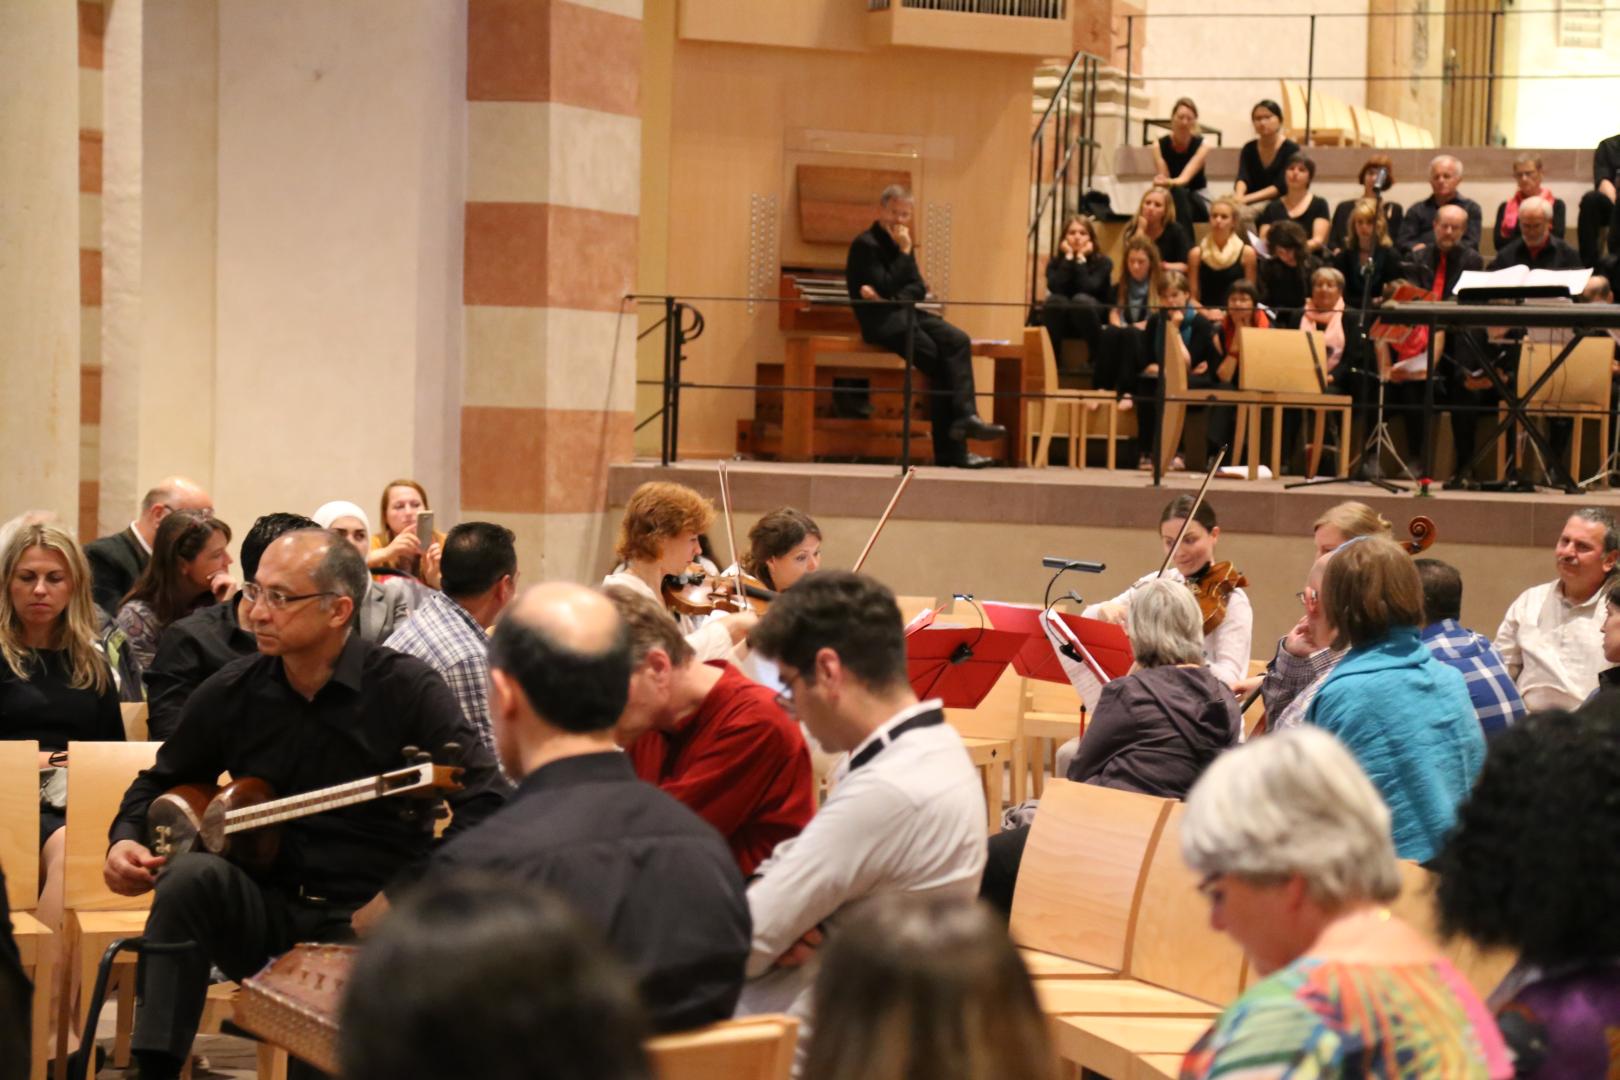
(997, 718)
(1293, 103)
(1384, 131)
(1052, 715)
(1484, 969)
(1361, 117)
(748, 1048)
(1177, 397)
(1332, 123)
(1579, 389)
(19, 856)
(94, 916)
(135, 713)
(1074, 406)
(1281, 368)
(1075, 903)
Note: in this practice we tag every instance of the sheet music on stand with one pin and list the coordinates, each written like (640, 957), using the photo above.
(1086, 674)
(1515, 284)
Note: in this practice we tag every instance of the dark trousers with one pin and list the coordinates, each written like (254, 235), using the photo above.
(1068, 318)
(1191, 206)
(238, 924)
(1006, 854)
(1597, 212)
(944, 354)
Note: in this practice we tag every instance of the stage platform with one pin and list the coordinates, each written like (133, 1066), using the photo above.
(1097, 498)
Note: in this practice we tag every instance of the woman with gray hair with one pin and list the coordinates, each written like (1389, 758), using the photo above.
(1294, 848)
(1153, 731)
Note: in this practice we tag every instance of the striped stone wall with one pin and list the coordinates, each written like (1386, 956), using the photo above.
(92, 37)
(553, 193)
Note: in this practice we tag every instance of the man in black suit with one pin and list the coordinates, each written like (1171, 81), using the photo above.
(1437, 267)
(881, 266)
(1536, 246)
(1417, 225)
(117, 560)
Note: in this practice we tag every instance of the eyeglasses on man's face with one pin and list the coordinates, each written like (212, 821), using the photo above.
(275, 599)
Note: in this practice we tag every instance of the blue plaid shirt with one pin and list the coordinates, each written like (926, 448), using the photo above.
(441, 632)
(1496, 700)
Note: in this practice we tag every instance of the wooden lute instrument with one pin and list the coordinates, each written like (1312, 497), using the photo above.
(239, 820)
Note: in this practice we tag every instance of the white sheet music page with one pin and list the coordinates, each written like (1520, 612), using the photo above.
(1085, 675)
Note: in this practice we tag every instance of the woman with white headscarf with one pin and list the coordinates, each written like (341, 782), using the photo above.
(388, 602)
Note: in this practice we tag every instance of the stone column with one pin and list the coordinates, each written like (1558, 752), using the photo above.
(39, 258)
(1405, 54)
(553, 194)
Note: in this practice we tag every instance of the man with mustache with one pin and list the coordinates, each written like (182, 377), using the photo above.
(1551, 639)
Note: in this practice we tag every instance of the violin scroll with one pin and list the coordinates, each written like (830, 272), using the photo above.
(1423, 535)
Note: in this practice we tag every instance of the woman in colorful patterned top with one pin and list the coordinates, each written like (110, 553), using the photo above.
(1534, 865)
(1293, 844)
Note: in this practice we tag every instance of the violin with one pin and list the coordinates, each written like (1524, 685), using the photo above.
(1423, 535)
(697, 592)
(1212, 590)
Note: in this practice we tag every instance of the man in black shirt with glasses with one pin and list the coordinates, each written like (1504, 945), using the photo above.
(317, 706)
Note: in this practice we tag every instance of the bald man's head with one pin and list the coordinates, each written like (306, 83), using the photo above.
(568, 652)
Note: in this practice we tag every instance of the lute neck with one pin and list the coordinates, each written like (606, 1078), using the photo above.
(309, 803)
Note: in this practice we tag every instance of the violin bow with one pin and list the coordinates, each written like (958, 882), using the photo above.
(867, 550)
(1214, 466)
(731, 533)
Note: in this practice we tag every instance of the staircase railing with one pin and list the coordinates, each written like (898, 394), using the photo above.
(1062, 161)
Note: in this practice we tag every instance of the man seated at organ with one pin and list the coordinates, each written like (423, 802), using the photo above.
(882, 266)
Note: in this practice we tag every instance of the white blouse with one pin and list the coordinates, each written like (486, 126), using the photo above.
(1228, 648)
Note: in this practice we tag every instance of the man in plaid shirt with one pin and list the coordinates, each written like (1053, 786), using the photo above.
(449, 629)
(1496, 699)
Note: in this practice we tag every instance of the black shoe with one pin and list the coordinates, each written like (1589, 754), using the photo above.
(1459, 482)
(973, 426)
(968, 460)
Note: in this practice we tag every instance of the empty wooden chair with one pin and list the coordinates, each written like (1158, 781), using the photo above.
(748, 1048)
(1178, 396)
(998, 717)
(1579, 389)
(1483, 968)
(1075, 901)
(19, 856)
(1285, 369)
(1058, 408)
(1053, 714)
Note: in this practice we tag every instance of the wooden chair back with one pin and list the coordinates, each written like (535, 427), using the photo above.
(98, 775)
(1361, 116)
(1174, 946)
(1384, 132)
(1581, 384)
(998, 716)
(1280, 360)
(135, 713)
(912, 606)
(19, 822)
(1081, 875)
(748, 1048)
(1293, 103)
(1049, 367)
(1484, 969)
(1051, 697)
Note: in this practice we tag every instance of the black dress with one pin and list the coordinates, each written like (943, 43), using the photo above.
(1256, 176)
(43, 708)
(1191, 206)
(1316, 210)
(1214, 285)
(1284, 289)
(1172, 243)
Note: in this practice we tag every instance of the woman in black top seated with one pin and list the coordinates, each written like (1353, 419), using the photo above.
(1376, 177)
(1297, 204)
(55, 686)
(1285, 274)
(1262, 160)
(1368, 261)
(1178, 160)
(1221, 257)
(1156, 219)
(1193, 343)
(1079, 288)
(1123, 350)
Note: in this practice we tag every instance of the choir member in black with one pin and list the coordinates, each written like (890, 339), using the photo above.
(1222, 257)
(1192, 342)
(1369, 263)
(1600, 207)
(1178, 161)
(1156, 219)
(1536, 246)
(1262, 160)
(1079, 288)
(1463, 389)
(1376, 177)
(1124, 345)
(1285, 274)
(881, 266)
(1417, 225)
(1526, 185)
(1297, 204)
(318, 706)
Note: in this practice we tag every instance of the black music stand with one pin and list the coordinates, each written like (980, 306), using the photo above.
(1368, 467)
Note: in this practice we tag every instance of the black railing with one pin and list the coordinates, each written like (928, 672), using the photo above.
(1025, 9)
(1062, 161)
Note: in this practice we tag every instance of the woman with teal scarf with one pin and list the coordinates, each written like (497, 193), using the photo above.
(1405, 716)
(1200, 352)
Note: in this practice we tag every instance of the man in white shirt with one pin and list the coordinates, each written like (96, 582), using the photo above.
(906, 813)
(1551, 638)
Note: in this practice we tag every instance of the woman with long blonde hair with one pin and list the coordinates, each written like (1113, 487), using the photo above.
(1222, 257)
(1156, 219)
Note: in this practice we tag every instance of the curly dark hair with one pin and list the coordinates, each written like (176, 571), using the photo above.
(1534, 862)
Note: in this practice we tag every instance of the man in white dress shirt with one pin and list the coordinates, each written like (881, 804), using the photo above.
(906, 813)
(1552, 638)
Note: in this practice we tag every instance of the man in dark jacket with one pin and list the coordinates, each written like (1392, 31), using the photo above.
(118, 559)
(881, 266)
(1536, 246)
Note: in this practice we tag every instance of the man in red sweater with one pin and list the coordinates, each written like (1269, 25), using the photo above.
(712, 737)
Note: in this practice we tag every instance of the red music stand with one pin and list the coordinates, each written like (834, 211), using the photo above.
(1038, 658)
(958, 664)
